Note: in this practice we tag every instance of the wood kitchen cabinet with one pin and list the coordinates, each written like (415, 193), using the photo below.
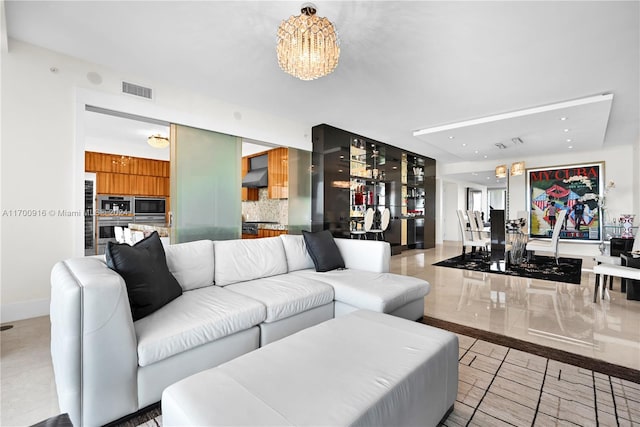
(278, 173)
(263, 232)
(125, 175)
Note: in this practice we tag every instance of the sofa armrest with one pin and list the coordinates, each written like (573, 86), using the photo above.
(367, 255)
(93, 342)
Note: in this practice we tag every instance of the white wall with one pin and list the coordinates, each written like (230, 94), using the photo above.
(42, 157)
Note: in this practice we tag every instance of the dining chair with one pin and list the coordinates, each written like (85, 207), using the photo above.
(468, 238)
(482, 231)
(128, 236)
(534, 245)
(615, 260)
(612, 270)
(118, 233)
(368, 223)
(477, 226)
(384, 224)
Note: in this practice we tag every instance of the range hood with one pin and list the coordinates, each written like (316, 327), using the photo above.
(256, 178)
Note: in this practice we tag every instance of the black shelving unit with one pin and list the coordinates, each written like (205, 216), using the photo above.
(352, 173)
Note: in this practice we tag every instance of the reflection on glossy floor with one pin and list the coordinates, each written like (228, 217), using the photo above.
(547, 313)
(553, 314)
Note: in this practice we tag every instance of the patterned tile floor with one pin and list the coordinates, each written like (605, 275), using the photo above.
(500, 386)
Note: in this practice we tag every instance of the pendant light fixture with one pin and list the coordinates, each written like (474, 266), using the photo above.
(158, 141)
(308, 46)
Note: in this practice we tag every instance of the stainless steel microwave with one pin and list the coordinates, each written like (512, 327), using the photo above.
(149, 205)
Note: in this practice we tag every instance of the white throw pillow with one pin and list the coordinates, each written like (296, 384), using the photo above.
(240, 260)
(191, 263)
(298, 257)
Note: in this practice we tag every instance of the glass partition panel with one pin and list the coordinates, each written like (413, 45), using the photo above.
(299, 190)
(205, 185)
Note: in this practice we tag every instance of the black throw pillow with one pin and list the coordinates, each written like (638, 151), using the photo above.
(323, 250)
(143, 267)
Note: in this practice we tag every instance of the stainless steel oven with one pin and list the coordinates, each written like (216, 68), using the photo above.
(115, 204)
(106, 232)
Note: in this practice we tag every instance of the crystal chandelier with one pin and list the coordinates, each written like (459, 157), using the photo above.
(158, 141)
(308, 46)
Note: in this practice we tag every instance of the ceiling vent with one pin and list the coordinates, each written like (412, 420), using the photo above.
(137, 90)
(501, 146)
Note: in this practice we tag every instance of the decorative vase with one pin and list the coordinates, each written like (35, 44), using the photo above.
(626, 220)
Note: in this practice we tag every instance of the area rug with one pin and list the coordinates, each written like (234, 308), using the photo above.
(499, 385)
(568, 270)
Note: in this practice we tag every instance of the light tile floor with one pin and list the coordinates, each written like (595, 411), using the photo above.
(548, 313)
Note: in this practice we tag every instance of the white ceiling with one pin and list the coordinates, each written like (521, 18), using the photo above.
(404, 66)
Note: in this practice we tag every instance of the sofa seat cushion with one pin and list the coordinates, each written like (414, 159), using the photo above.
(247, 259)
(284, 295)
(193, 319)
(382, 292)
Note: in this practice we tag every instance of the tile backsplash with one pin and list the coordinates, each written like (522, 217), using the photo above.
(265, 209)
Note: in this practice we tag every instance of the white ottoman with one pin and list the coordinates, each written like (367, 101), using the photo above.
(362, 369)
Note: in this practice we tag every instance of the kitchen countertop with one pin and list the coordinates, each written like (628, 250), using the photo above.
(267, 225)
(163, 229)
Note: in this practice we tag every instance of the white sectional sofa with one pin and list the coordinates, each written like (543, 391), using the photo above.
(237, 296)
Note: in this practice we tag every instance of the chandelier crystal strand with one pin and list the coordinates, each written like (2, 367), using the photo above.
(308, 45)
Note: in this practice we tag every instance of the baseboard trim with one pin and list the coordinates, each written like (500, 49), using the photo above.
(24, 310)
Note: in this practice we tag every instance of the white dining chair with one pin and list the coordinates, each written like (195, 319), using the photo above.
(614, 260)
(384, 224)
(128, 237)
(469, 238)
(477, 229)
(610, 270)
(534, 245)
(118, 233)
(368, 223)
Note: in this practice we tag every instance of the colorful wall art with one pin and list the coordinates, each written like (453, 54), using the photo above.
(577, 189)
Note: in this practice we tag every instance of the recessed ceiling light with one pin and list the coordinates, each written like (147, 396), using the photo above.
(485, 156)
(342, 157)
(340, 170)
(451, 136)
(474, 173)
(569, 140)
(395, 167)
(570, 147)
(464, 144)
(476, 152)
(488, 177)
(566, 130)
(563, 118)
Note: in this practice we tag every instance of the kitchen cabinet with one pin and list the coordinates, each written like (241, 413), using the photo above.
(125, 175)
(263, 232)
(278, 172)
(247, 193)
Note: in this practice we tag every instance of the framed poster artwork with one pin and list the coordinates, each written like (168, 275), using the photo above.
(576, 189)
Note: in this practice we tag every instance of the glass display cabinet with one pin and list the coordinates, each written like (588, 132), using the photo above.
(352, 173)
